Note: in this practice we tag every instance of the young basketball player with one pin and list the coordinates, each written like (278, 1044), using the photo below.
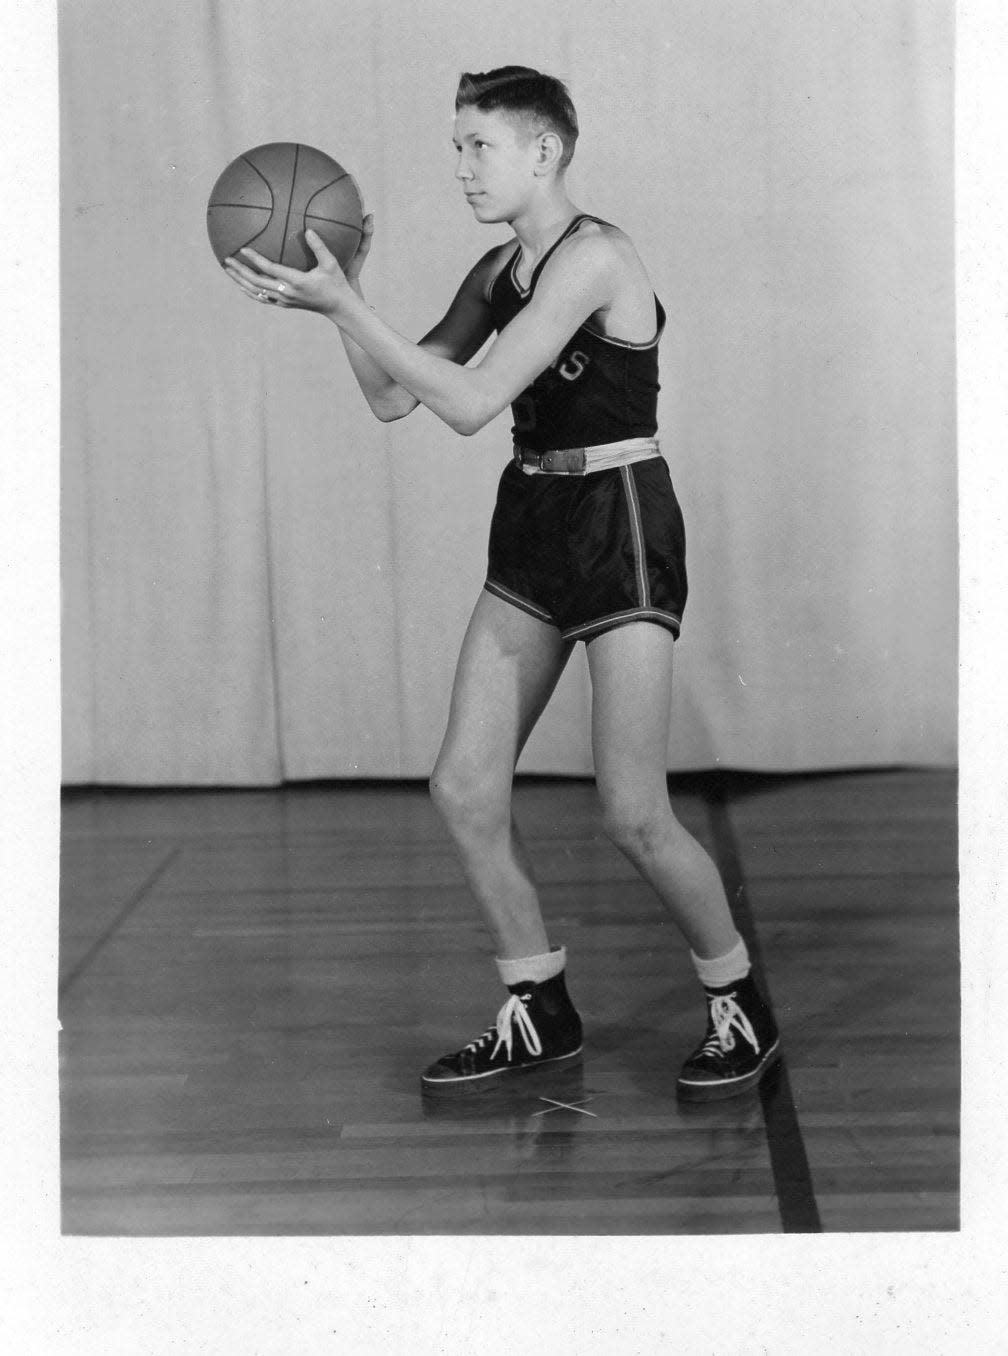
(586, 544)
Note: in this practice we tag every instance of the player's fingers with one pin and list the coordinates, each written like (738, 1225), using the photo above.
(255, 290)
(268, 267)
(246, 285)
(256, 282)
(237, 269)
(318, 247)
(275, 297)
(245, 278)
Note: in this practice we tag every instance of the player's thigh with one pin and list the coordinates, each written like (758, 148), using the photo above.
(631, 676)
(508, 667)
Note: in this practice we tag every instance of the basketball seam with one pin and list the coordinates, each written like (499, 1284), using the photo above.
(269, 186)
(338, 180)
(259, 232)
(271, 209)
(290, 202)
(333, 221)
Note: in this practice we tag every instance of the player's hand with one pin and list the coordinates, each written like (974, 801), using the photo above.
(323, 288)
(353, 268)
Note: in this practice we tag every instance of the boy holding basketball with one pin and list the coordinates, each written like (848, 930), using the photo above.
(586, 543)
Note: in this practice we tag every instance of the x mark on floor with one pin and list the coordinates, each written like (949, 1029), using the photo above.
(566, 1106)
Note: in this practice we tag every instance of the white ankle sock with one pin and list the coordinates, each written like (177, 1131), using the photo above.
(718, 971)
(534, 968)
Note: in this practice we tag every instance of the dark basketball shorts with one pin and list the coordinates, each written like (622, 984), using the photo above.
(588, 553)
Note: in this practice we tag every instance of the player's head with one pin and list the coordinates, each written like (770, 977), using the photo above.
(539, 105)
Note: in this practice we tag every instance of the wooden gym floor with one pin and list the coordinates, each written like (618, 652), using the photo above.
(251, 982)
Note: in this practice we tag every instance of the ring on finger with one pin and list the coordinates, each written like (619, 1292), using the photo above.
(281, 287)
(263, 295)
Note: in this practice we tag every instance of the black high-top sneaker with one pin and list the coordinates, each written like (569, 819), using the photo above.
(537, 1025)
(741, 1045)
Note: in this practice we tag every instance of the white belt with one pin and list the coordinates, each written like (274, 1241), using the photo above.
(581, 461)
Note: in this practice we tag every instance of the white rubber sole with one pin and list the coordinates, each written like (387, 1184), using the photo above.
(475, 1083)
(707, 1090)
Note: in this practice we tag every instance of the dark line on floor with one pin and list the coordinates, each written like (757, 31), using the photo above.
(788, 1160)
(105, 936)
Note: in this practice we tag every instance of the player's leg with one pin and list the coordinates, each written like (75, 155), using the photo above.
(631, 673)
(508, 667)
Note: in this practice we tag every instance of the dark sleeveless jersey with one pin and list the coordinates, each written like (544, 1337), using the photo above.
(598, 390)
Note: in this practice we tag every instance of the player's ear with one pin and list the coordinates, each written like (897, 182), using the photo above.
(549, 151)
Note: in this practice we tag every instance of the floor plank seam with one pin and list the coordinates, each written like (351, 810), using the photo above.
(109, 932)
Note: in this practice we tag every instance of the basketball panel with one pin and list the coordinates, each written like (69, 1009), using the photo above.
(317, 167)
(229, 228)
(275, 162)
(340, 238)
(241, 186)
(340, 201)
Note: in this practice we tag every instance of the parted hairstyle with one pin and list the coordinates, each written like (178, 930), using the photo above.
(542, 102)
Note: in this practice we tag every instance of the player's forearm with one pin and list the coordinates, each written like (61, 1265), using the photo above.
(456, 394)
(386, 398)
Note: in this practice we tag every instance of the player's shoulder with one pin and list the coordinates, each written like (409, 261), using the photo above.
(596, 242)
(595, 246)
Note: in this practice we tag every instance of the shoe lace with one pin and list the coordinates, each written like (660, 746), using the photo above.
(513, 1014)
(725, 1014)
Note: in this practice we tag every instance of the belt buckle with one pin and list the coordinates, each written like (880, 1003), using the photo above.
(524, 456)
(565, 461)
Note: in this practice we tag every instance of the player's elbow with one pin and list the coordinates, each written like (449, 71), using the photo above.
(473, 416)
(388, 411)
(466, 424)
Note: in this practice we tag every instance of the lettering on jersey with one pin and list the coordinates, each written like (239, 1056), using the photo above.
(571, 365)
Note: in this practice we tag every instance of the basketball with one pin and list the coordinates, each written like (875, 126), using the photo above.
(269, 196)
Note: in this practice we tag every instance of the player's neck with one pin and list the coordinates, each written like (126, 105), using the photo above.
(543, 223)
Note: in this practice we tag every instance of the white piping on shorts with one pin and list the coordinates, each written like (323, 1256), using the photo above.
(637, 532)
(631, 614)
(517, 600)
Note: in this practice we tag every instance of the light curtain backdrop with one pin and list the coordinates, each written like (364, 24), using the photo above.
(262, 582)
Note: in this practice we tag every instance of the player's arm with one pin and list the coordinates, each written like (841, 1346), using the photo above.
(579, 280)
(460, 334)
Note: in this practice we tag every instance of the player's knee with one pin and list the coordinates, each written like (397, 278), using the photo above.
(638, 825)
(463, 799)
(444, 792)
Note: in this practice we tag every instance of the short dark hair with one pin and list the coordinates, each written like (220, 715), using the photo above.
(537, 98)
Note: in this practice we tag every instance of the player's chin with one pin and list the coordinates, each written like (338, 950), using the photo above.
(484, 210)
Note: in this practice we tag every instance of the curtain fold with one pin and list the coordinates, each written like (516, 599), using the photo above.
(262, 582)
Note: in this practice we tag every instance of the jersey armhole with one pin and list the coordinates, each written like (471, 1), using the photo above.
(508, 261)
